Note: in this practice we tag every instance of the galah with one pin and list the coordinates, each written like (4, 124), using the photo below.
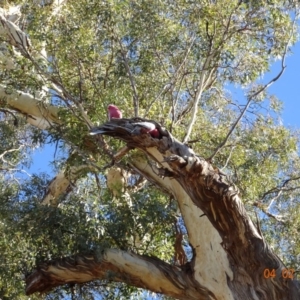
(139, 128)
(146, 127)
(114, 112)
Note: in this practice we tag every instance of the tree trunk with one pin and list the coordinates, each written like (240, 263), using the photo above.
(230, 256)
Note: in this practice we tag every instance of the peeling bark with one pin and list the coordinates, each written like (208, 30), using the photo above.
(230, 254)
(141, 271)
(219, 200)
(14, 35)
(211, 267)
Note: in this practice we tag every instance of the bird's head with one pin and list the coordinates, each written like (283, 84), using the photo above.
(111, 106)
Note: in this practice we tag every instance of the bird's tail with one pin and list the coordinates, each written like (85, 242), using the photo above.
(97, 130)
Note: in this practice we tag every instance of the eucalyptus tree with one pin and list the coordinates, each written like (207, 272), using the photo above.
(208, 209)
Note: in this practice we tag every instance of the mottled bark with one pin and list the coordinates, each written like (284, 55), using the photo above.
(137, 270)
(210, 263)
(216, 221)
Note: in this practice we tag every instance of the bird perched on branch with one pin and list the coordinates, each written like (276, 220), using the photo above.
(123, 127)
(114, 112)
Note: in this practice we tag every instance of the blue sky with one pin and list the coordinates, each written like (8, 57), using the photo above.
(287, 89)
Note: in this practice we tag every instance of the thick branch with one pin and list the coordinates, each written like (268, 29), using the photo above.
(211, 265)
(182, 162)
(137, 270)
(15, 36)
(204, 79)
(39, 114)
(219, 200)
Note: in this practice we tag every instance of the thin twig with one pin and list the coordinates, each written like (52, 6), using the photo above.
(173, 80)
(272, 201)
(246, 108)
(251, 97)
(266, 212)
(228, 158)
(23, 44)
(131, 79)
(277, 218)
(282, 188)
(174, 104)
(202, 85)
(8, 151)
(15, 170)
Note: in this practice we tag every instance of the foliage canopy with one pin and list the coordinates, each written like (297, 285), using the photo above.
(175, 62)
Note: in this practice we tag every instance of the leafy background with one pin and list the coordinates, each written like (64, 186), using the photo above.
(263, 152)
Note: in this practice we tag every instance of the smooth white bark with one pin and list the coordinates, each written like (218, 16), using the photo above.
(211, 262)
(118, 265)
(38, 113)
